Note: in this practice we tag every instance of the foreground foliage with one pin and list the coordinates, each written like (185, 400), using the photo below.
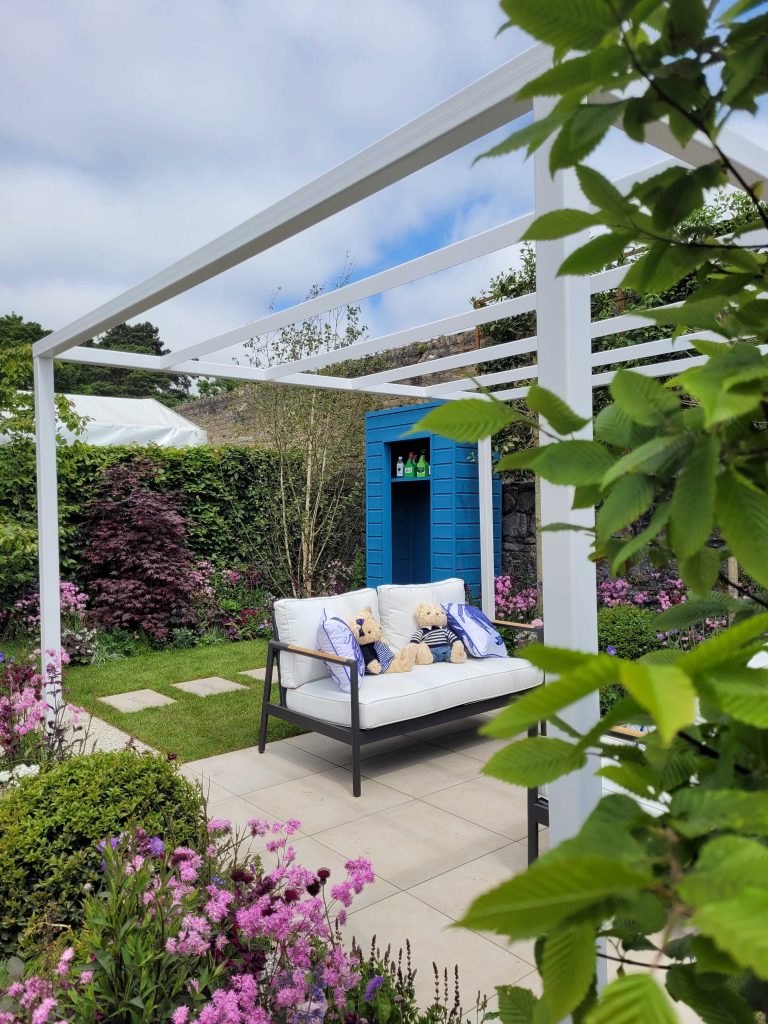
(50, 825)
(675, 875)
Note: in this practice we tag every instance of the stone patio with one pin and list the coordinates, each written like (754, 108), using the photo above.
(137, 700)
(437, 832)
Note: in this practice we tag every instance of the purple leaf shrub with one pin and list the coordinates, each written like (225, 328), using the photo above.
(143, 574)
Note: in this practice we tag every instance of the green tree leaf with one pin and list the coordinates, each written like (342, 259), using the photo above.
(535, 761)
(627, 500)
(694, 610)
(558, 413)
(698, 812)
(692, 512)
(633, 999)
(468, 419)
(595, 255)
(552, 890)
(742, 513)
(547, 700)
(516, 1005)
(568, 967)
(714, 1004)
(558, 224)
(723, 866)
(701, 569)
(737, 926)
(652, 457)
(602, 193)
(665, 691)
(582, 132)
(566, 462)
(642, 398)
(724, 647)
(580, 24)
(663, 265)
(741, 693)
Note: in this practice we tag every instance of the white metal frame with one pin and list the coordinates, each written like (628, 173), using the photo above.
(566, 363)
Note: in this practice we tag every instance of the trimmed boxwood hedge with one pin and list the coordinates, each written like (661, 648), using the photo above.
(631, 632)
(50, 826)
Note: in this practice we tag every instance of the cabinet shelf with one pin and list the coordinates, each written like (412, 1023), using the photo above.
(410, 479)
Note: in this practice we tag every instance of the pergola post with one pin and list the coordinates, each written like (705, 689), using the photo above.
(569, 598)
(48, 527)
(485, 489)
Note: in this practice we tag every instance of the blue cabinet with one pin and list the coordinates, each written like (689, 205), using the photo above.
(424, 529)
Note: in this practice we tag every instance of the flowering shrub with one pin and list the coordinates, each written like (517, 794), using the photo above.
(36, 723)
(642, 587)
(520, 605)
(177, 935)
(77, 638)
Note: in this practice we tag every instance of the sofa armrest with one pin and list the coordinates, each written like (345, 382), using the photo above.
(522, 627)
(307, 652)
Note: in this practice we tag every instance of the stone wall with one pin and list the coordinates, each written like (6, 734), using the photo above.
(518, 528)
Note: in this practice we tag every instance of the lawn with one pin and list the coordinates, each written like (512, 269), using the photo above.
(194, 726)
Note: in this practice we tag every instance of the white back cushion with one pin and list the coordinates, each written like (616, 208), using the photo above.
(297, 620)
(398, 601)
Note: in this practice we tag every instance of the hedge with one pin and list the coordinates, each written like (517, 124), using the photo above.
(227, 491)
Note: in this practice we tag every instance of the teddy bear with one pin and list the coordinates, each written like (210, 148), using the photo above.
(433, 640)
(377, 655)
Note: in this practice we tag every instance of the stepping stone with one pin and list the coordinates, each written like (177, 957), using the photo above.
(209, 686)
(137, 700)
(255, 673)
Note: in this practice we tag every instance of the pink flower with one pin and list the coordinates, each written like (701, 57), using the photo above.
(180, 1015)
(65, 960)
(219, 825)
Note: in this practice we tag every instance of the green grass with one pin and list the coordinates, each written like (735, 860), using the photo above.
(193, 727)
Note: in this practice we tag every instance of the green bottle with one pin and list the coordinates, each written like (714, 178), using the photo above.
(410, 467)
(421, 465)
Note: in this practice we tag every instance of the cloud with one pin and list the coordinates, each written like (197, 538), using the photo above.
(138, 132)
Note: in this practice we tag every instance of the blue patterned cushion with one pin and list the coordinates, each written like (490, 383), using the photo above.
(335, 637)
(475, 630)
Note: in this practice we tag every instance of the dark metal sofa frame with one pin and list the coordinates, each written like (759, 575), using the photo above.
(353, 735)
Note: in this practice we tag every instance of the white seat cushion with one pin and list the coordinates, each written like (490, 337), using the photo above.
(297, 621)
(404, 696)
(398, 601)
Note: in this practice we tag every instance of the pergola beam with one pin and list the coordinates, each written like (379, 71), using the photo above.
(480, 108)
(453, 255)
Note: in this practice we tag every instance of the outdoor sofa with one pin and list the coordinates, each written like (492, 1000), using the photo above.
(386, 705)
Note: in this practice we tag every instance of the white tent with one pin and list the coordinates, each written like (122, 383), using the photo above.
(138, 421)
(132, 421)
(566, 362)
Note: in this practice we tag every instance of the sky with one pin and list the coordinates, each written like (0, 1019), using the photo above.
(132, 133)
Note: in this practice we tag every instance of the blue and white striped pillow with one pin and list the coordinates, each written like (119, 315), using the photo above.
(335, 637)
(475, 630)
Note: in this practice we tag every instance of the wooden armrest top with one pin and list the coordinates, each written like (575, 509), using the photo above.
(317, 654)
(514, 625)
(627, 730)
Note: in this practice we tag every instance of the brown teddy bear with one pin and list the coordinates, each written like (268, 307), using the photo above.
(377, 655)
(433, 639)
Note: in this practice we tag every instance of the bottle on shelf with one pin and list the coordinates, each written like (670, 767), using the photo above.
(422, 467)
(400, 466)
(410, 467)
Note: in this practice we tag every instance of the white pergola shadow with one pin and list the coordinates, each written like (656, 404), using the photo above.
(563, 341)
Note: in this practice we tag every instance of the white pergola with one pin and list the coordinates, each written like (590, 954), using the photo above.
(566, 363)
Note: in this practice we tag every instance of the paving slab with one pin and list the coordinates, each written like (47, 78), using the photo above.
(254, 673)
(209, 686)
(137, 700)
